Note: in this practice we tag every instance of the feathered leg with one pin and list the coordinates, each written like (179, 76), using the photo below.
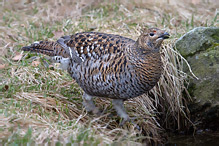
(119, 107)
(89, 104)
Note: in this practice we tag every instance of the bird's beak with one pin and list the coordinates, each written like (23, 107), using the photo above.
(165, 35)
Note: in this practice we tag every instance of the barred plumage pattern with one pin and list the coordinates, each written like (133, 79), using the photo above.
(107, 65)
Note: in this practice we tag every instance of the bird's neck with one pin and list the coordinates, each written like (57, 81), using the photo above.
(142, 50)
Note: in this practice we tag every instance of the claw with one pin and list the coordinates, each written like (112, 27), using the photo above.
(130, 120)
(124, 121)
(96, 111)
(135, 125)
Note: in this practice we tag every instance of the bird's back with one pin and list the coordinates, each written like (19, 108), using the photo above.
(95, 45)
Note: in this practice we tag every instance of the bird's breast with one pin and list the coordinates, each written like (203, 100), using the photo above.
(148, 71)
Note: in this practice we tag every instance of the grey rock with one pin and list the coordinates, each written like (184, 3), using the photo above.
(200, 47)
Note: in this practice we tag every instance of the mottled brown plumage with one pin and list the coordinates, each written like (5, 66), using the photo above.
(106, 65)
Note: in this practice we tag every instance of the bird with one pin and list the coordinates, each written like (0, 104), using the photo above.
(107, 65)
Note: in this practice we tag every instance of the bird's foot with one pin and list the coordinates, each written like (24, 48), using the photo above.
(96, 111)
(128, 119)
(124, 120)
(90, 107)
(119, 107)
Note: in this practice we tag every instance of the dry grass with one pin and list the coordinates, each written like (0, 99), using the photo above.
(41, 104)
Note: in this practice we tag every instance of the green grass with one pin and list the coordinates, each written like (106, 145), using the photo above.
(42, 104)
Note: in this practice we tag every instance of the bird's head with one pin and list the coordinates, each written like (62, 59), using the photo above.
(152, 38)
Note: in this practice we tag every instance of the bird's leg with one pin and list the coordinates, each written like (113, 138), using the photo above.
(119, 107)
(89, 104)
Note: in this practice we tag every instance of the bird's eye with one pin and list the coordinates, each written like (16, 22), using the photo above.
(151, 34)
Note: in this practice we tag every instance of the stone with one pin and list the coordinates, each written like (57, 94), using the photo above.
(200, 47)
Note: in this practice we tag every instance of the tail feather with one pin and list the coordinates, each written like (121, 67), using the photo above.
(48, 48)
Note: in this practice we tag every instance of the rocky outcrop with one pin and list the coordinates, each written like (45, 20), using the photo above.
(200, 47)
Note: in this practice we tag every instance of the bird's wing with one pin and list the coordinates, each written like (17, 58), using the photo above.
(94, 45)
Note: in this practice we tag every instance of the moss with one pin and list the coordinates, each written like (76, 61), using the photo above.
(191, 89)
(216, 37)
(214, 46)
